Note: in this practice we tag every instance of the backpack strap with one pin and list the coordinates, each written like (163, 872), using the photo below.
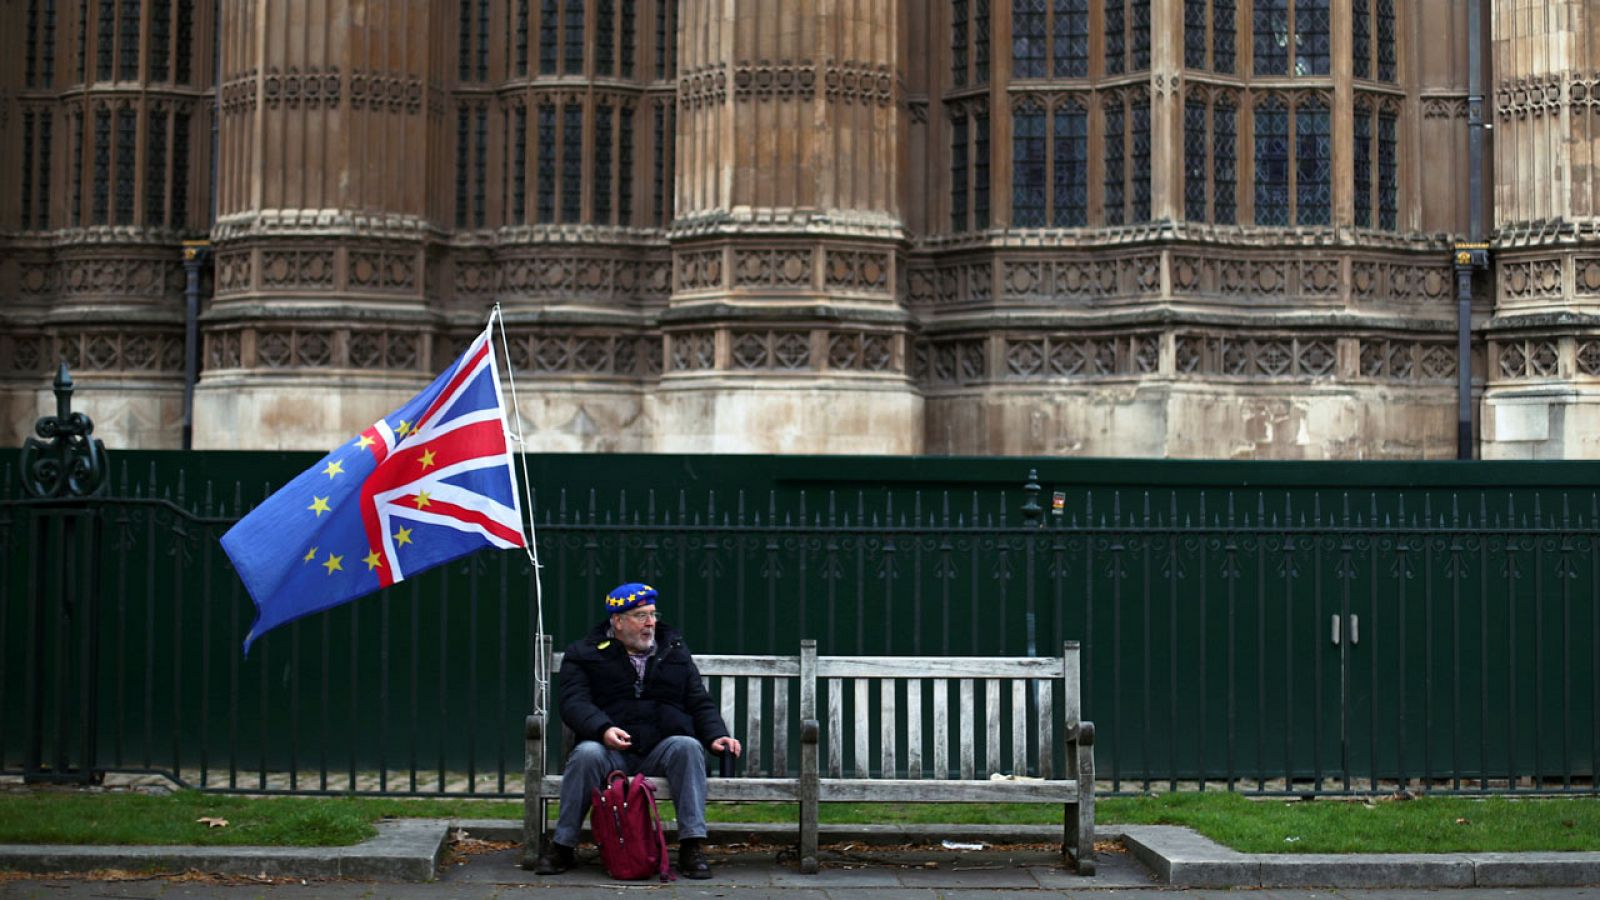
(643, 786)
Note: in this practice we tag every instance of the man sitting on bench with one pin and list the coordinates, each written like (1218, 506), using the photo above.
(632, 694)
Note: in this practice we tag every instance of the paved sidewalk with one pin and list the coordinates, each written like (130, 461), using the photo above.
(883, 858)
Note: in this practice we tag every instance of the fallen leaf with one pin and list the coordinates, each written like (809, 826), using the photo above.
(1463, 821)
(213, 822)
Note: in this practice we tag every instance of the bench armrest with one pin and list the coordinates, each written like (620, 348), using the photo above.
(1085, 734)
(533, 727)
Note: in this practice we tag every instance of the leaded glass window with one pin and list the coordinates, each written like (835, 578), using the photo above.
(1194, 160)
(27, 170)
(40, 50)
(1028, 166)
(102, 166)
(958, 42)
(1272, 162)
(1115, 39)
(628, 39)
(980, 171)
(105, 47)
(549, 35)
(602, 163)
(1385, 21)
(1070, 159)
(75, 165)
(483, 40)
(128, 40)
(160, 41)
(1271, 37)
(545, 200)
(464, 49)
(1361, 165)
(1114, 183)
(31, 45)
(480, 168)
(155, 170)
(1388, 172)
(659, 167)
(1194, 33)
(1223, 28)
(1224, 161)
(463, 136)
(980, 40)
(41, 209)
(1361, 37)
(1139, 35)
(180, 169)
(958, 173)
(1071, 31)
(1311, 37)
(573, 22)
(571, 162)
(1139, 159)
(625, 167)
(664, 39)
(521, 65)
(1313, 162)
(127, 159)
(185, 51)
(81, 37)
(519, 166)
(605, 17)
(1028, 45)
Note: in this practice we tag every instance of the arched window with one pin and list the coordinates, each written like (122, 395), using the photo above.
(1070, 159)
(1313, 162)
(1028, 164)
(1297, 193)
(1372, 39)
(1272, 162)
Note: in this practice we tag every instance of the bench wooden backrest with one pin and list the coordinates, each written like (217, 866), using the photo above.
(896, 717)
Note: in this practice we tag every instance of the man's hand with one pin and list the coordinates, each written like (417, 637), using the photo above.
(726, 745)
(617, 739)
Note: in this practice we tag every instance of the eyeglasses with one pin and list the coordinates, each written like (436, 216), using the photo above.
(641, 615)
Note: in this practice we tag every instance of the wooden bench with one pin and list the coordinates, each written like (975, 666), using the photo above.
(895, 729)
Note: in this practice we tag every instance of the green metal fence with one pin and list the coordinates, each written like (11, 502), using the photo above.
(1281, 628)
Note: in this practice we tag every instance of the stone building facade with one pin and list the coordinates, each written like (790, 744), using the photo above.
(1162, 228)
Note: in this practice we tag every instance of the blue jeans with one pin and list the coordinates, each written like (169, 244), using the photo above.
(680, 759)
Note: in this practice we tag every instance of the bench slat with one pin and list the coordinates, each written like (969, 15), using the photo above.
(862, 732)
(969, 768)
(991, 715)
(941, 728)
(940, 667)
(914, 728)
(774, 789)
(1047, 746)
(780, 727)
(752, 719)
(1019, 727)
(728, 695)
(906, 790)
(888, 767)
(835, 731)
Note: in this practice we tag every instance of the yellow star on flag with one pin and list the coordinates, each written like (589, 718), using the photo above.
(404, 429)
(426, 459)
(402, 537)
(422, 500)
(334, 468)
(365, 442)
(373, 560)
(332, 564)
(310, 555)
(319, 505)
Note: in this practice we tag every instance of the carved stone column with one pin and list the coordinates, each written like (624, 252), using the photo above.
(329, 154)
(783, 333)
(1543, 393)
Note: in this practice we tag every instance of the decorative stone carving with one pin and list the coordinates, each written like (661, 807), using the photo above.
(852, 81)
(863, 351)
(702, 86)
(1586, 275)
(290, 88)
(781, 350)
(233, 272)
(699, 270)
(1529, 358)
(774, 268)
(1269, 357)
(856, 270)
(1588, 358)
(783, 80)
(296, 269)
(390, 271)
(389, 91)
(1531, 279)
(119, 351)
(693, 351)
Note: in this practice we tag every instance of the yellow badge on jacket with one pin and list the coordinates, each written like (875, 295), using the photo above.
(602, 645)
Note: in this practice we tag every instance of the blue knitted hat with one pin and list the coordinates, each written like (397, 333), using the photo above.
(624, 597)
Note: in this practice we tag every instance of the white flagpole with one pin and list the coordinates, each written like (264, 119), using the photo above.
(541, 675)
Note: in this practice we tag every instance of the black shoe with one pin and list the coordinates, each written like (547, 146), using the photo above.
(692, 862)
(555, 859)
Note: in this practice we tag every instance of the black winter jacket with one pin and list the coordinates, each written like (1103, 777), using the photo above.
(599, 689)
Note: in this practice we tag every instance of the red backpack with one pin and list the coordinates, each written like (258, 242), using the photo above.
(627, 827)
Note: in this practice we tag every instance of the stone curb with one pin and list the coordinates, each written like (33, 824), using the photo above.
(403, 850)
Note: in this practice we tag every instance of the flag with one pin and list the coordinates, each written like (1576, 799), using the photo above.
(427, 484)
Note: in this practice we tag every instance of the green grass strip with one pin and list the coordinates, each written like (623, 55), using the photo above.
(1427, 825)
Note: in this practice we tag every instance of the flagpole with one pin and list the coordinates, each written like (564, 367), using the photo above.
(541, 675)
